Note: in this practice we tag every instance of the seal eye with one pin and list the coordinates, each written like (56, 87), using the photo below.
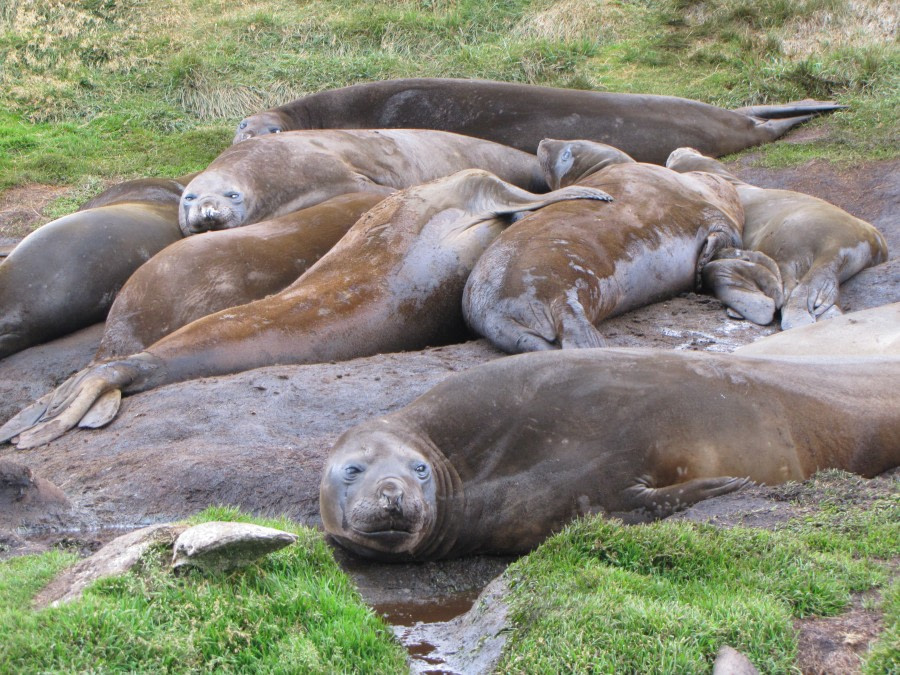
(567, 154)
(233, 195)
(351, 472)
(189, 197)
(242, 125)
(274, 130)
(422, 471)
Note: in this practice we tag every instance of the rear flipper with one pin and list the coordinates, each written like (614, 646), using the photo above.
(747, 282)
(792, 109)
(816, 296)
(573, 328)
(646, 502)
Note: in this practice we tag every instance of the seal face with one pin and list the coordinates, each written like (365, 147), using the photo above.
(381, 494)
(815, 245)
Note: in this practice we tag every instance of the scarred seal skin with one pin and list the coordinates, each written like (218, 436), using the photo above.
(497, 458)
(393, 283)
(550, 279)
(206, 273)
(816, 245)
(276, 174)
(520, 115)
(65, 275)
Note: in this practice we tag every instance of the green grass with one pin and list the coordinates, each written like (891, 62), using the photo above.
(113, 90)
(293, 612)
(603, 597)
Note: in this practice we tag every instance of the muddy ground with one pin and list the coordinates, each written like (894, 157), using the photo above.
(258, 439)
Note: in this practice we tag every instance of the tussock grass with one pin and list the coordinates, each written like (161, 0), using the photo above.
(604, 597)
(293, 612)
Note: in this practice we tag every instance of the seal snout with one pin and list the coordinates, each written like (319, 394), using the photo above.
(390, 496)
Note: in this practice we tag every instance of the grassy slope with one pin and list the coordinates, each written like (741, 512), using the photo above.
(101, 89)
(294, 612)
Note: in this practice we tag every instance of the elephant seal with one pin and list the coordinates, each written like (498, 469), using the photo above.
(277, 174)
(64, 275)
(816, 245)
(520, 115)
(145, 190)
(209, 272)
(500, 456)
(550, 279)
(393, 283)
(871, 332)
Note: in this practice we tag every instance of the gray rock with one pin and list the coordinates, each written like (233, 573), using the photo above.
(219, 546)
(730, 661)
(115, 558)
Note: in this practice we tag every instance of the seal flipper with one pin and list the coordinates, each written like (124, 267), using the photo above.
(25, 419)
(747, 282)
(573, 328)
(660, 502)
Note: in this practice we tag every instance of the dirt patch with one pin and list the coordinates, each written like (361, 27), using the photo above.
(22, 209)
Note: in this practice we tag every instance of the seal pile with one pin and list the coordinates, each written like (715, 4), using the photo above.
(308, 245)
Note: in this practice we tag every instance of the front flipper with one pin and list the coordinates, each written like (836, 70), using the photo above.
(815, 295)
(659, 502)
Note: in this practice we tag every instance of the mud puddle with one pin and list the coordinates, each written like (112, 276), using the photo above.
(407, 619)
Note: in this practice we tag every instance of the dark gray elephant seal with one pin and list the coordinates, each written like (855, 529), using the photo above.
(393, 283)
(277, 174)
(549, 280)
(500, 456)
(816, 245)
(520, 115)
(65, 275)
(201, 275)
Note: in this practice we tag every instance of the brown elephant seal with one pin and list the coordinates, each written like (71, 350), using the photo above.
(816, 245)
(65, 275)
(520, 115)
(393, 283)
(871, 332)
(550, 279)
(277, 174)
(500, 456)
(206, 273)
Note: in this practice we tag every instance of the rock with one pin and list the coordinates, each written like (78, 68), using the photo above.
(27, 500)
(115, 558)
(730, 661)
(219, 546)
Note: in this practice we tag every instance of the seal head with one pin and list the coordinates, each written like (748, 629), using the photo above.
(211, 203)
(388, 494)
(567, 162)
(267, 122)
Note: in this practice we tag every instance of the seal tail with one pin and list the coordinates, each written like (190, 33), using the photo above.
(793, 109)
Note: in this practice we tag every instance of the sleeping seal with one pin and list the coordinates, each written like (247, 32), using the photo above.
(551, 278)
(277, 174)
(520, 115)
(816, 245)
(393, 283)
(500, 456)
(65, 275)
